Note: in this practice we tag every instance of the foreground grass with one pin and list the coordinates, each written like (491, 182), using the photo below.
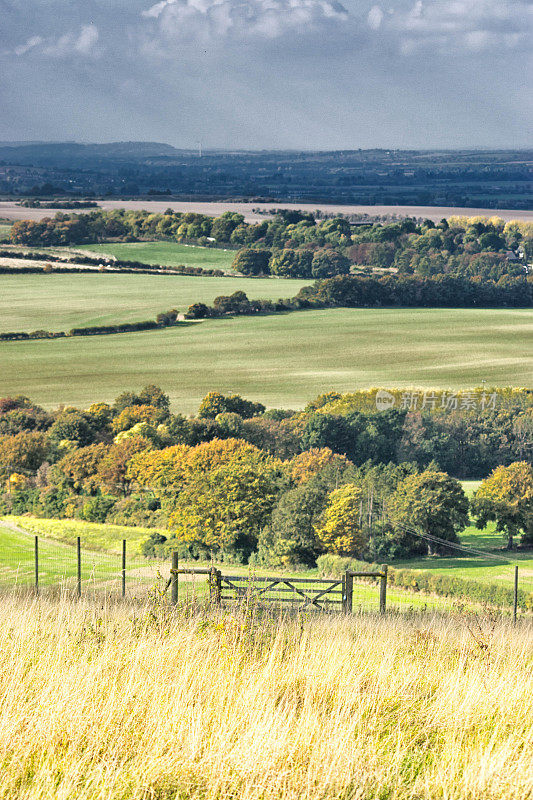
(131, 704)
(58, 302)
(170, 254)
(281, 360)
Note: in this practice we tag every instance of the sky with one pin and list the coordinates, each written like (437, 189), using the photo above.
(268, 74)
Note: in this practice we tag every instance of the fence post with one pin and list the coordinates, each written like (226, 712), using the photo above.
(215, 585)
(383, 589)
(515, 599)
(347, 600)
(78, 553)
(37, 564)
(123, 568)
(174, 578)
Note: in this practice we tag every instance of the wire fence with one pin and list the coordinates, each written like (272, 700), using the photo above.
(45, 565)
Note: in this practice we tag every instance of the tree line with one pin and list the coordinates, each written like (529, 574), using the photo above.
(272, 486)
(298, 245)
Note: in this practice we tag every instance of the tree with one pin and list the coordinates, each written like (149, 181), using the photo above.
(72, 426)
(215, 403)
(431, 503)
(339, 531)
(289, 263)
(77, 470)
(24, 452)
(506, 497)
(226, 496)
(290, 537)
(113, 467)
(249, 261)
(326, 263)
(307, 464)
(132, 415)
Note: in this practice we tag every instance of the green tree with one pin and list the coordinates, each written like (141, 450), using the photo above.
(326, 263)
(290, 538)
(431, 503)
(249, 261)
(215, 403)
(506, 497)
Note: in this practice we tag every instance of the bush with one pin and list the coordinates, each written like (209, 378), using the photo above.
(431, 583)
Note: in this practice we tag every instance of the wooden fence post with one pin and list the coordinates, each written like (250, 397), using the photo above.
(78, 553)
(37, 564)
(215, 585)
(383, 589)
(347, 599)
(174, 578)
(515, 599)
(123, 568)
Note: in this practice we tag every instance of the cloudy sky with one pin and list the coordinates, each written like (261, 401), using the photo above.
(268, 73)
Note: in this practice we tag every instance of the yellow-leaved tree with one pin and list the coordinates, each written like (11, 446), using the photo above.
(339, 530)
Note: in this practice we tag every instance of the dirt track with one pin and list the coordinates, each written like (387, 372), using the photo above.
(10, 210)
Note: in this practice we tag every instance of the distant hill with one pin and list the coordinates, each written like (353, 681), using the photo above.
(463, 178)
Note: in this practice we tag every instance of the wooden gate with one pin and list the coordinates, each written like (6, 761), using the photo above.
(319, 594)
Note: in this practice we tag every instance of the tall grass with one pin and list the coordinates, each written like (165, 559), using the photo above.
(103, 702)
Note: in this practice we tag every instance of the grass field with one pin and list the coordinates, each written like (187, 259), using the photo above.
(497, 567)
(5, 231)
(170, 254)
(131, 703)
(95, 536)
(57, 562)
(281, 360)
(59, 302)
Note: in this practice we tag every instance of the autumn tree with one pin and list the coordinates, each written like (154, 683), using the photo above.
(24, 452)
(339, 530)
(307, 464)
(215, 403)
(78, 469)
(506, 497)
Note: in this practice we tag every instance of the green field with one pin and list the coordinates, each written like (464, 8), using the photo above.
(497, 568)
(169, 254)
(280, 360)
(5, 231)
(104, 538)
(57, 560)
(59, 302)
(58, 566)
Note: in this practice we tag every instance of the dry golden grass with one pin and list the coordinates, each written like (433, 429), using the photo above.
(126, 702)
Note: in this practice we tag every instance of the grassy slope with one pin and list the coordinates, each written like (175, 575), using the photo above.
(102, 703)
(107, 538)
(57, 561)
(166, 253)
(281, 360)
(60, 302)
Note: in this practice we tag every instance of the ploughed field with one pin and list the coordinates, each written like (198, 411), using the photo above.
(281, 360)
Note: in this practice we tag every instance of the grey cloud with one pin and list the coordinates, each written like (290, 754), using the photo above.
(473, 25)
